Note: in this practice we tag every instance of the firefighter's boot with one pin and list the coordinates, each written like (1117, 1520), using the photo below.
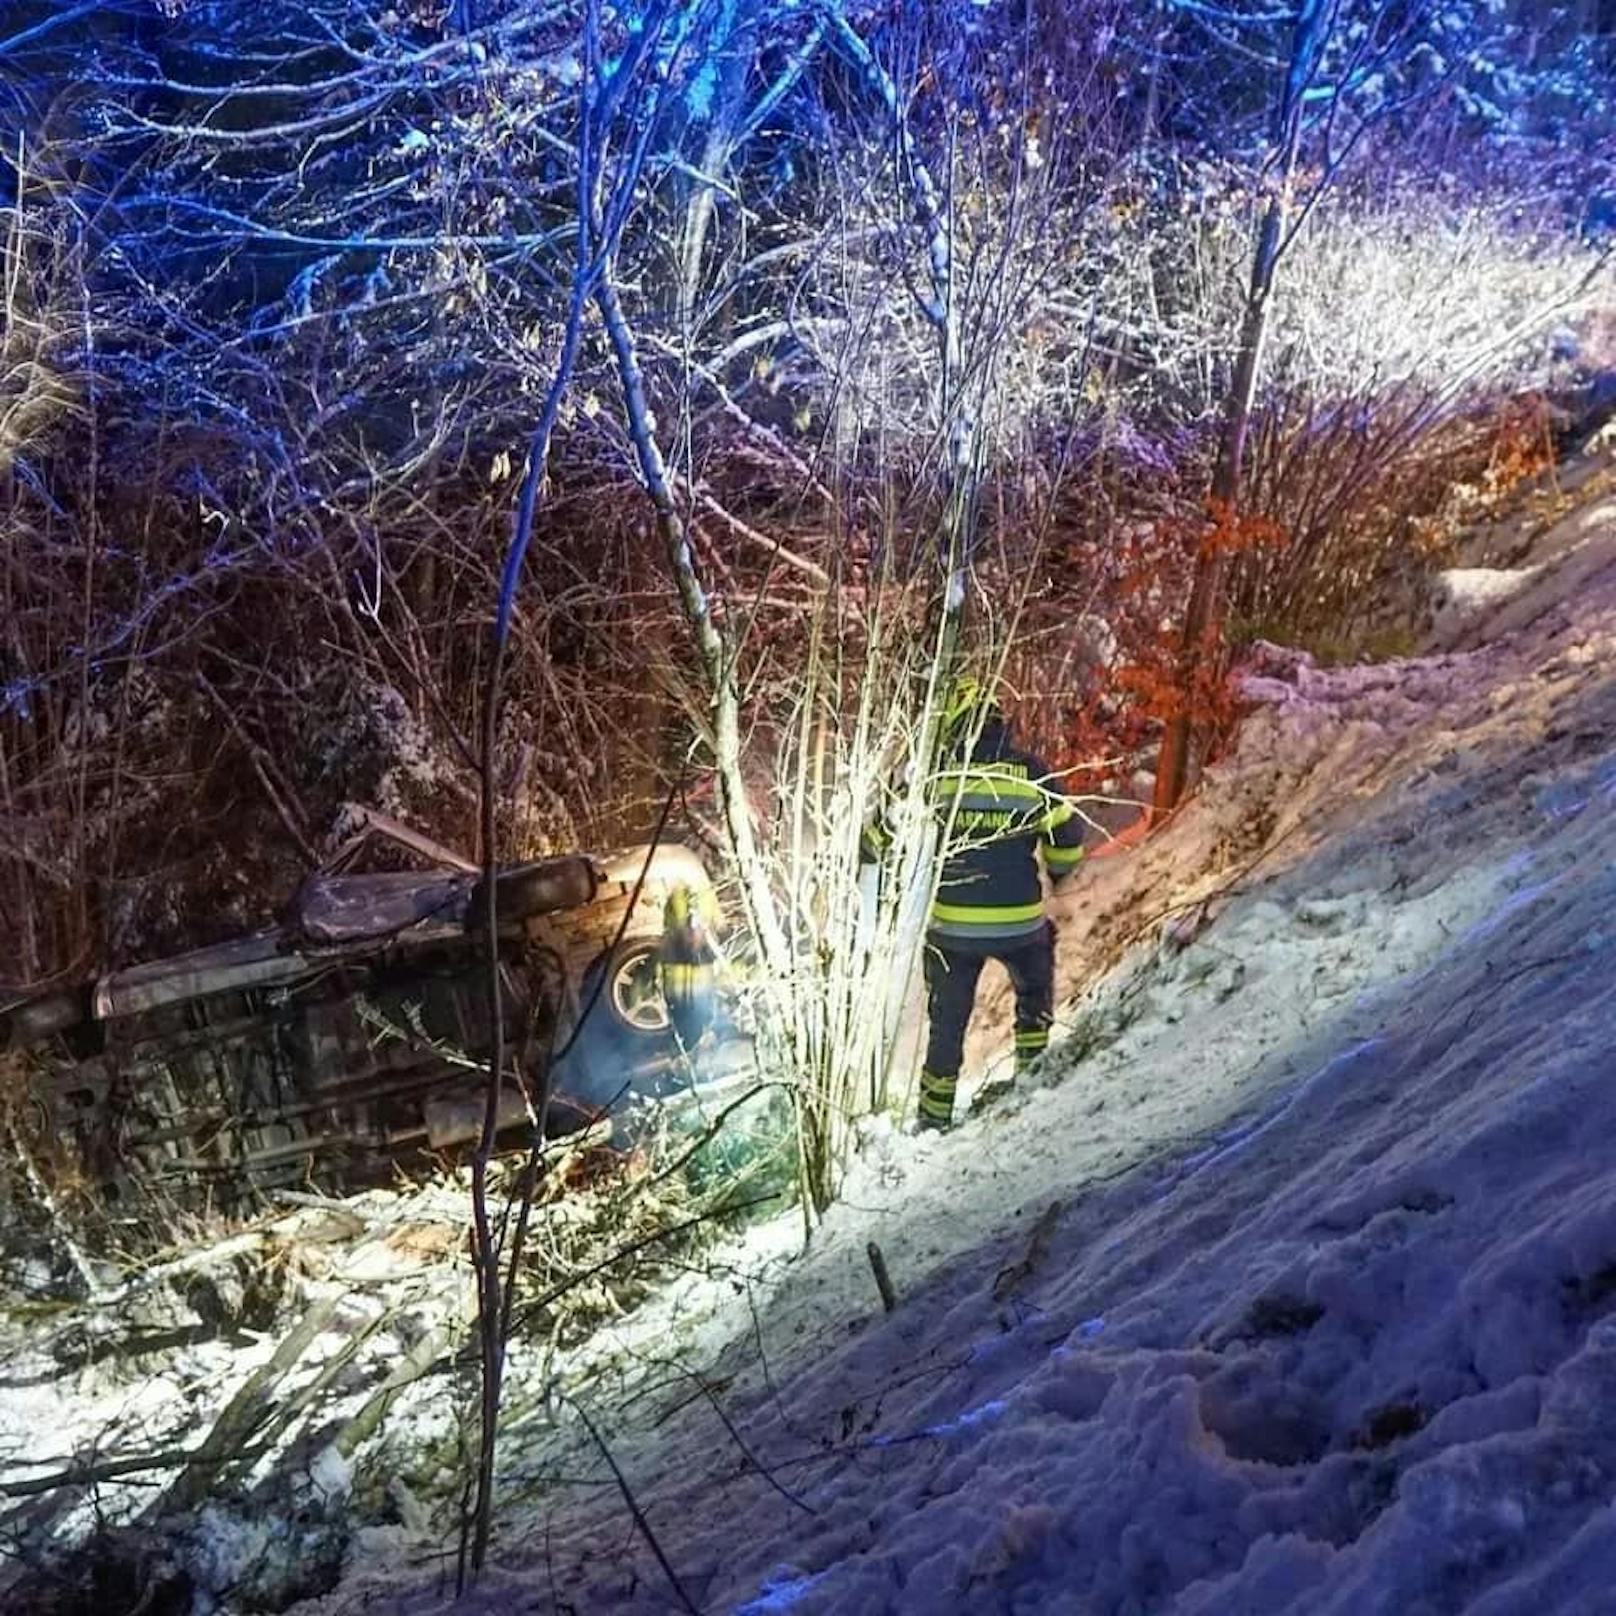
(937, 1099)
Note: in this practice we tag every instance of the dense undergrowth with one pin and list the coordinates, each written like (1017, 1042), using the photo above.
(262, 422)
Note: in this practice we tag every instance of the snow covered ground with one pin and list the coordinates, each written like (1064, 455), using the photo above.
(1290, 1286)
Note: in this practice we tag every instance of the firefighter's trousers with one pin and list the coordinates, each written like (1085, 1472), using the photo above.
(951, 978)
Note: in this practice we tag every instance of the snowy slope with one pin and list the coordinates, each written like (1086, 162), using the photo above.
(1291, 1288)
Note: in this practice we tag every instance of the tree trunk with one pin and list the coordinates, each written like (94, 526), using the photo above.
(718, 664)
(1200, 642)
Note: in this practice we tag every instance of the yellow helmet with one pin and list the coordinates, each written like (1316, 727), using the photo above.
(969, 702)
(676, 911)
(687, 906)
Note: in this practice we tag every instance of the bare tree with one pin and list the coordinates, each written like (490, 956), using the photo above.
(1348, 74)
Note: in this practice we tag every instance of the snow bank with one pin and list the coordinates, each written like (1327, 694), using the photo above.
(1462, 595)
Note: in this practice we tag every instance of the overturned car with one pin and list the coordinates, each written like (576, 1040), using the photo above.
(349, 1040)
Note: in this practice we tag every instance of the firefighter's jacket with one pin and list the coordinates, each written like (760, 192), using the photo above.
(997, 810)
(687, 955)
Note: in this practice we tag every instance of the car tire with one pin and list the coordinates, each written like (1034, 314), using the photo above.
(535, 889)
(603, 1067)
(631, 1001)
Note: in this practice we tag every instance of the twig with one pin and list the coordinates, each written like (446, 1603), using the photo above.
(279, 796)
(368, 819)
(236, 1246)
(556, 1292)
(634, 1509)
(242, 1414)
(704, 1138)
(80, 1474)
(744, 530)
(42, 1193)
(493, 1313)
(1010, 1279)
(306, 1398)
(418, 1362)
(710, 1392)
(883, 1280)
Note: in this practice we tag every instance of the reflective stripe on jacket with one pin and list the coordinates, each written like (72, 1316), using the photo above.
(997, 810)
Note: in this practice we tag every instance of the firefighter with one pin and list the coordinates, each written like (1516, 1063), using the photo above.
(687, 960)
(999, 808)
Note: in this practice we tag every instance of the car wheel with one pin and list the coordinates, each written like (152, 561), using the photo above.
(540, 888)
(622, 1050)
(631, 995)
